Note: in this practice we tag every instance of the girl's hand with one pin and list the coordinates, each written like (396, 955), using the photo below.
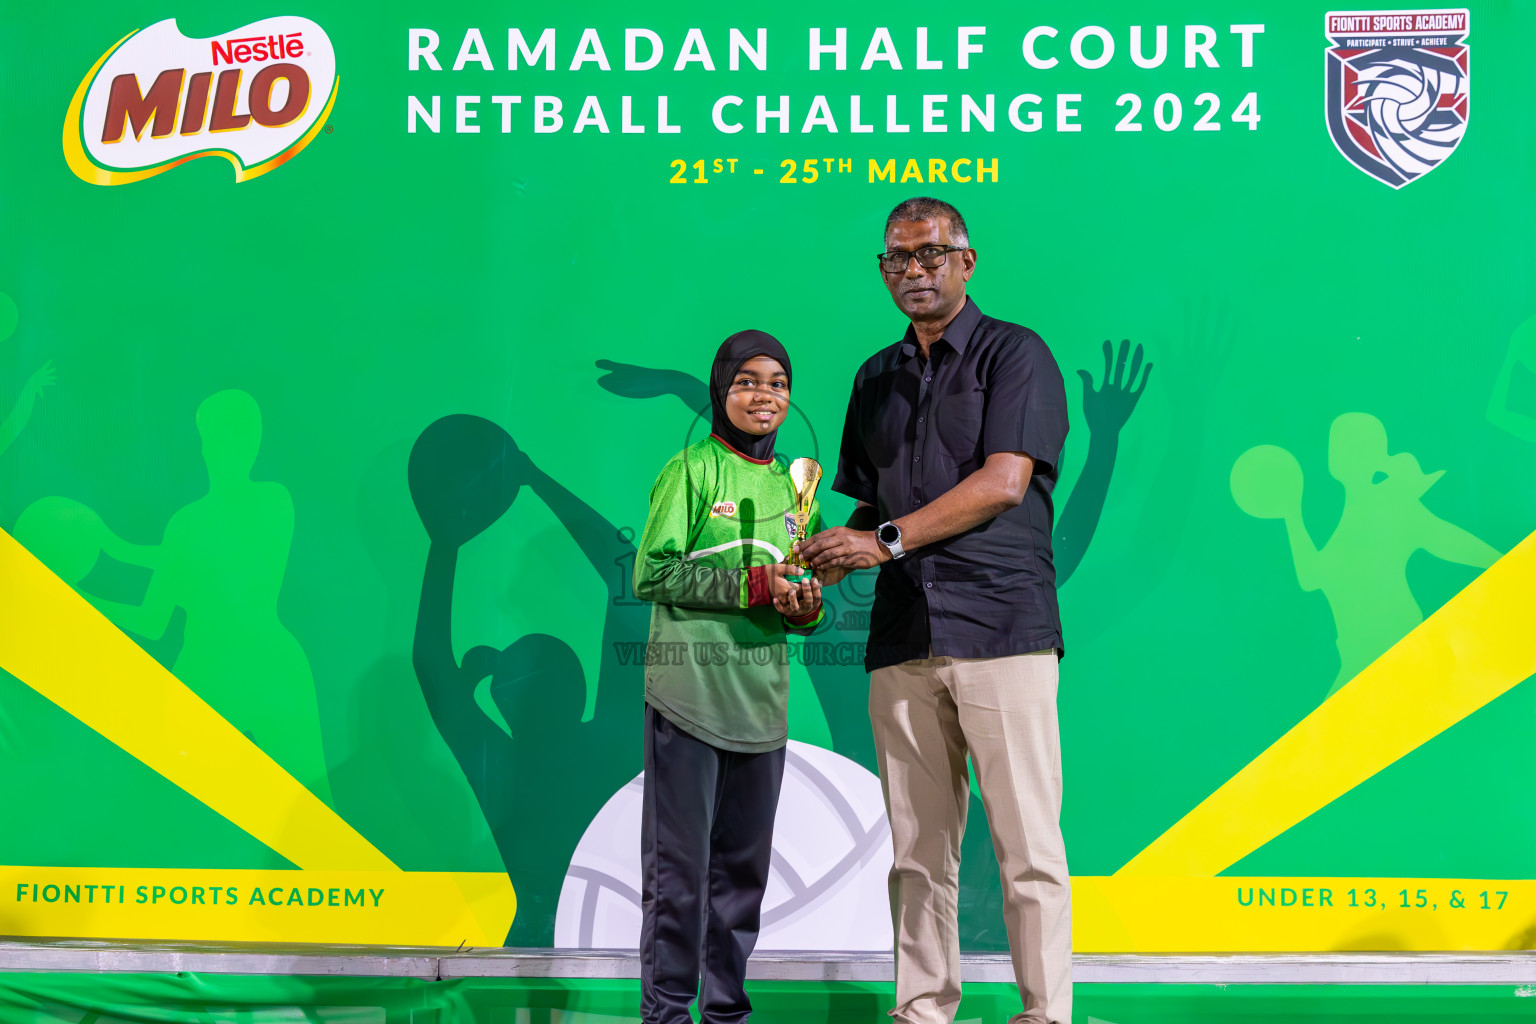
(779, 587)
(803, 602)
(811, 592)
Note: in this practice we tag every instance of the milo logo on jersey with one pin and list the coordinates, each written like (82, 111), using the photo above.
(1396, 89)
(255, 95)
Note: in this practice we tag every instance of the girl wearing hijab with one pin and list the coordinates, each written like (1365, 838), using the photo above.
(714, 560)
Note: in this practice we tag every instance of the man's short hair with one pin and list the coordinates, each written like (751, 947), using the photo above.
(928, 208)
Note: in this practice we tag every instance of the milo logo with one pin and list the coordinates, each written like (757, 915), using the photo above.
(723, 508)
(255, 95)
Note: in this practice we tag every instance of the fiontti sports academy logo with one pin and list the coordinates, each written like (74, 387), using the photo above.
(1397, 89)
(255, 95)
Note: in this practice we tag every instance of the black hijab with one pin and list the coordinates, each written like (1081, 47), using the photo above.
(734, 351)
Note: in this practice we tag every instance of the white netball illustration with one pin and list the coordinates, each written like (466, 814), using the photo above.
(1411, 112)
(826, 887)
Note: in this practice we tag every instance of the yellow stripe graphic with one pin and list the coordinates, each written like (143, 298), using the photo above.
(66, 650)
(1478, 646)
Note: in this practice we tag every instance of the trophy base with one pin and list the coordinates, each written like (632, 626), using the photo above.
(800, 576)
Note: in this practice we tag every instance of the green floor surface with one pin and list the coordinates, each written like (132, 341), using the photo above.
(79, 998)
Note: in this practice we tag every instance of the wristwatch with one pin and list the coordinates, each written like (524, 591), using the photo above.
(889, 534)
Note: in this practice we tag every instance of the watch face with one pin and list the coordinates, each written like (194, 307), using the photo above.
(889, 533)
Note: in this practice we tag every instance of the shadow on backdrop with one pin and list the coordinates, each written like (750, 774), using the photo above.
(1194, 369)
(397, 783)
(1363, 568)
(540, 786)
(222, 561)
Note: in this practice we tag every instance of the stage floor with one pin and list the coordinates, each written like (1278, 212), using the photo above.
(74, 982)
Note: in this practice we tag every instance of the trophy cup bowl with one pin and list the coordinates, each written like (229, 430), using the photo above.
(804, 475)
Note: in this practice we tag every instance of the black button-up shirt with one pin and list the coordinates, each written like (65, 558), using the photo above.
(916, 427)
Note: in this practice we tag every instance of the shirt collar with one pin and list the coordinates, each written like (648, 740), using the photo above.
(958, 333)
(738, 453)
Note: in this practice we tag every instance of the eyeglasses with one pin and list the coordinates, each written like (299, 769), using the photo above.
(929, 257)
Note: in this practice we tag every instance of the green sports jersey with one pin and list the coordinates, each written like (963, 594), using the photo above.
(717, 662)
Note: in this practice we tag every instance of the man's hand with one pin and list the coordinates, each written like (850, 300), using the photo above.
(831, 577)
(842, 548)
(826, 577)
(804, 599)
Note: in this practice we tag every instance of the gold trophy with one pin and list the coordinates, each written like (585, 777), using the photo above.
(804, 475)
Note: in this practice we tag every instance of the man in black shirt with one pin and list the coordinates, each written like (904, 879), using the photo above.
(951, 448)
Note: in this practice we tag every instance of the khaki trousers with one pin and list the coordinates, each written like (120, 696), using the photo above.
(927, 715)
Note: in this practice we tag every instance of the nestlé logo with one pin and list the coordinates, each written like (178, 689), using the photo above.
(256, 96)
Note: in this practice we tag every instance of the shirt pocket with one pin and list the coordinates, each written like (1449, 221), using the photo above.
(957, 426)
(884, 433)
(942, 474)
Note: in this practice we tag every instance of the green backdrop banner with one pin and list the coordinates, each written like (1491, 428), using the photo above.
(294, 295)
